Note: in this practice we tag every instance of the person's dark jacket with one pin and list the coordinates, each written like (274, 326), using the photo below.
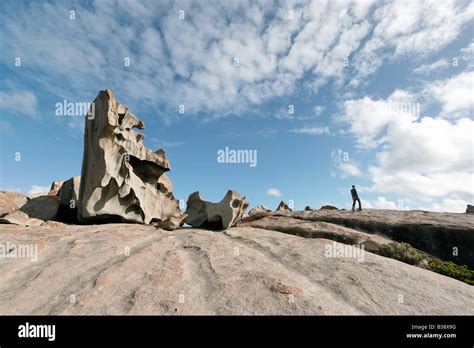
(354, 193)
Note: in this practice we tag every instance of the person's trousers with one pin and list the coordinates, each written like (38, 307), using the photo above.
(354, 200)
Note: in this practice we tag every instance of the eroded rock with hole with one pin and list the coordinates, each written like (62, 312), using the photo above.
(121, 179)
(216, 216)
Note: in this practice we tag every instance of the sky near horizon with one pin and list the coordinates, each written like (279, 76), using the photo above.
(326, 94)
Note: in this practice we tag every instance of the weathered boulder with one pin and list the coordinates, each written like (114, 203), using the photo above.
(218, 216)
(43, 207)
(120, 177)
(55, 187)
(328, 207)
(171, 223)
(20, 218)
(258, 209)
(11, 201)
(34, 212)
(69, 200)
(69, 191)
(470, 209)
(283, 206)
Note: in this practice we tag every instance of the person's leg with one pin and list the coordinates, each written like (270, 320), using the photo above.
(353, 204)
(360, 205)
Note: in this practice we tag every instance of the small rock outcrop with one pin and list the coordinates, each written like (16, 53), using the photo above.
(43, 207)
(69, 191)
(470, 209)
(69, 200)
(34, 212)
(20, 218)
(328, 207)
(283, 206)
(258, 209)
(55, 187)
(215, 216)
(171, 223)
(121, 179)
(11, 201)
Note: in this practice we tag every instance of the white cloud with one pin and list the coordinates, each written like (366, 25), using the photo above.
(19, 102)
(186, 61)
(407, 27)
(344, 165)
(417, 157)
(467, 54)
(273, 192)
(37, 189)
(367, 118)
(318, 109)
(427, 68)
(455, 94)
(311, 130)
(157, 143)
(380, 203)
(349, 169)
(453, 205)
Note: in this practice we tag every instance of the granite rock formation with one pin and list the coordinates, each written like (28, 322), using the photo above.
(283, 206)
(217, 216)
(11, 201)
(258, 209)
(438, 234)
(117, 269)
(69, 200)
(120, 177)
(33, 212)
(328, 207)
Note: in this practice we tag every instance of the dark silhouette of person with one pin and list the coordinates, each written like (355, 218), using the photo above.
(355, 198)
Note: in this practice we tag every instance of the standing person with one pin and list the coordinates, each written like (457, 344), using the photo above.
(355, 198)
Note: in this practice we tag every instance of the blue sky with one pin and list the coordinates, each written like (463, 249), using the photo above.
(382, 93)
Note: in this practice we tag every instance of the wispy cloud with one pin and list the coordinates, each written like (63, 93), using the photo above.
(310, 130)
(241, 60)
(37, 189)
(273, 192)
(166, 144)
(19, 102)
(427, 68)
(344, 164)
(318, 109)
